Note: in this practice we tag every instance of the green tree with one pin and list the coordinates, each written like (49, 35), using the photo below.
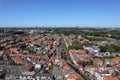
(115, 73)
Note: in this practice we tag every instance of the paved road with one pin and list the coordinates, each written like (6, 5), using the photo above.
(56, 71)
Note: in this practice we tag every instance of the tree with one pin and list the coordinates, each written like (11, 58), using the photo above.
(87, 52)
(87, 63)
(51, 46)
(1, 48)
(75, 45)
(115, 73)
(12, 63)
(91, 62)
(110, 48)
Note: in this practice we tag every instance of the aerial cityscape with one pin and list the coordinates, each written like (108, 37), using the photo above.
(59, 39)
(59, 54)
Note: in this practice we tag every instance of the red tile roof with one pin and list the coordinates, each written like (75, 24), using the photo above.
(73, 75)
(13, 49)
(109, 78)
(64, 64)
(18, 59)
(97, 60)
(26, 51)
(73, 51)
(116, 59)
(28, 65)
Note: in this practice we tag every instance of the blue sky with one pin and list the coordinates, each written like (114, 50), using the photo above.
(93, 13)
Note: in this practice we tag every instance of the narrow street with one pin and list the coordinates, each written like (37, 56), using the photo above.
(56, 69)
(66, 57)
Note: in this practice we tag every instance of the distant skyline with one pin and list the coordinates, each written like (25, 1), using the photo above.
(60, 13)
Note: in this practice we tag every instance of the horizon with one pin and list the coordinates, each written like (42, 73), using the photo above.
(84, 27)
(58, 13)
